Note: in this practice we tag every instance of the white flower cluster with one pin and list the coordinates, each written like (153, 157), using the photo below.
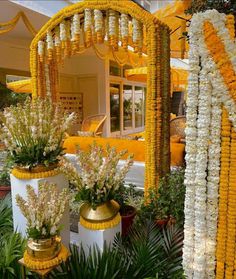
(113, 23)
(44, 211)
(137, 30)
(41, 48)
(75, 27)
(63, 31)
(49, 40)
(98, 21)
(87, 20)
(206, 93)
(97, 172)
(124, 25)
(33, 130)
(57, 40)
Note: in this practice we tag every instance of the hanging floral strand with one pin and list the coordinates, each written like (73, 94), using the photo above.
(63, 34)
(67, 50)
(98, 26)
(124, 30)
(57, 44)
(88, 27)
(75, 32)
(50, 45)
(41, 50)
(113, 29)
(137, 35)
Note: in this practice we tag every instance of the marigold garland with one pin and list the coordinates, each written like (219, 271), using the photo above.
(101, 225)
(152, 28)
(33, 175)
(40, 265)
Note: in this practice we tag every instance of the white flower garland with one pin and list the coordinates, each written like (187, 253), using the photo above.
(98, 21)
(202, 204)
(191, 150)
(113, 24)
(87, 20)
(57, 40)
(75, 27)
(49, 40)
(124, 26)
(63, 31)
(41, 48)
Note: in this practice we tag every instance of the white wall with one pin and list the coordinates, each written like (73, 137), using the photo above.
(83, 65)
(14, 55)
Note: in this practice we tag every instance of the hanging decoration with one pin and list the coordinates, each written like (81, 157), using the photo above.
(121, 25)
(210, 207)
(8, 26)
(96, 28)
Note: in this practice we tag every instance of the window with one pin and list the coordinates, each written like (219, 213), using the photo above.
(127, 107)
(127, 102)
(115, 107)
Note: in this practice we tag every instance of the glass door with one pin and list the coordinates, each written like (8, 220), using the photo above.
(115, 107)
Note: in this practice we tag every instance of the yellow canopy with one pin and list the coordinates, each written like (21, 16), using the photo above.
(179, 77)
(21, 86)
(168, 15)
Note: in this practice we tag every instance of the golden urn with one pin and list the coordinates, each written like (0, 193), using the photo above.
(102, 213)
(44, 249)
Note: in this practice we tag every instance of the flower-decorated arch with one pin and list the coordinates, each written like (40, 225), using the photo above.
(47, 46)
(210, 204)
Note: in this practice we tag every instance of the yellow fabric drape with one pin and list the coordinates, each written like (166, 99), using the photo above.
(21, 86)
(179, 77)
(178, 43)
(8, 26)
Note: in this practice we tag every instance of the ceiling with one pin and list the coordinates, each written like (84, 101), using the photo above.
(9, 10)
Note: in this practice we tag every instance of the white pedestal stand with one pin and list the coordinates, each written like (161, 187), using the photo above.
(89, 238)
(18, 186)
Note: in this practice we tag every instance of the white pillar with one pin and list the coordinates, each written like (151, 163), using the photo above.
(89, 238)
(18, 186)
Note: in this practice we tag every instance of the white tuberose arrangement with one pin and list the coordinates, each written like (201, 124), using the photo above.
(44, 211)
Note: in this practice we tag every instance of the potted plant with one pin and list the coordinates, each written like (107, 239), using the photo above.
(5, 183)
(129, 200)
(97, 177)
(166, 205)
(33, 133)
(43, 212)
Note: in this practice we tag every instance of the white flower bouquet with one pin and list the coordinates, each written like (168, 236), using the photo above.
(34, 131)
(43, 211)
(96, 173)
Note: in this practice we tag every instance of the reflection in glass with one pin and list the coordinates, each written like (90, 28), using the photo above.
(139, 106)
(115, 107)
(127, 107)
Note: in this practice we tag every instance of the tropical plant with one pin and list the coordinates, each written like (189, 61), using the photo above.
(11, 244)
(168, 200)
(223, 6)
(44, 211)
(12, 247)
(33, 132)
(9, 98)
(146, 252)
(5, 173)
(96, 173)
(128, 195)
(6, 222)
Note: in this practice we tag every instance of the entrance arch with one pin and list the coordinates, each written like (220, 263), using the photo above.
(44, 66)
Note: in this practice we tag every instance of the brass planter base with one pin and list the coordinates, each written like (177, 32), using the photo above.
(44, 249)
(103, 212)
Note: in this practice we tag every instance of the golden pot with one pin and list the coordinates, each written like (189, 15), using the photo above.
(36, 169)
(103, 212)
(44, 249)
